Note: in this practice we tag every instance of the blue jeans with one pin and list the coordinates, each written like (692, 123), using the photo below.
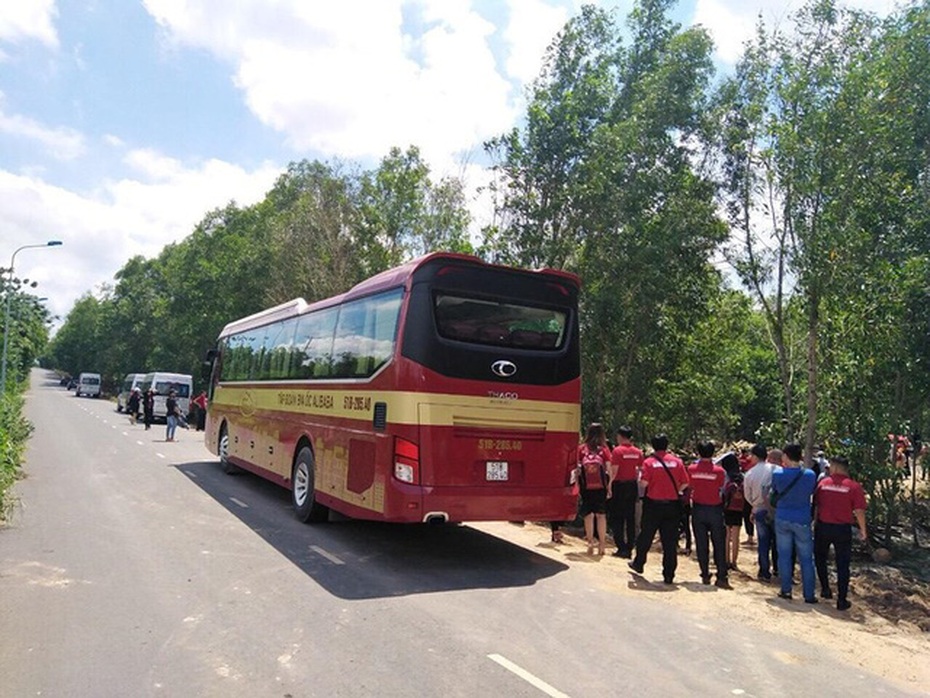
(797, 538)
(765, 530)
(172, 422)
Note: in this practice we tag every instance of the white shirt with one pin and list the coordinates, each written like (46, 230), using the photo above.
(757, 483)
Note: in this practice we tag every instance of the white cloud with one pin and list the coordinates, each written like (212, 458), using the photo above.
(345, 79)
(532, 26)
(28, 19)
(61, 143)
(101, 231)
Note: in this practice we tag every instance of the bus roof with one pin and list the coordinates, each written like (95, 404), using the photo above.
(391, 278)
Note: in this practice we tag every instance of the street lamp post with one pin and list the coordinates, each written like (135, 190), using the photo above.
(9, 295)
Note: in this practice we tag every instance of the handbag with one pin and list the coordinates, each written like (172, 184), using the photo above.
(774, 496)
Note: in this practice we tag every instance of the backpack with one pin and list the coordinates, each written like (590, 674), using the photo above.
(735, 497)
(593, 474)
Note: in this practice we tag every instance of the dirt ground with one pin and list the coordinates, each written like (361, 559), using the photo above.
(886, 632)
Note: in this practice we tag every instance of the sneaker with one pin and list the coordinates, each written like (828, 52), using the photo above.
(705, 580)
(812, 599)
(763, 577)
(636, 568)
(826, 594)
(723, 584)
(669, 580)
(785, 595)
(843, 605)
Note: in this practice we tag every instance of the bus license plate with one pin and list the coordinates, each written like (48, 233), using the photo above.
(497, 471)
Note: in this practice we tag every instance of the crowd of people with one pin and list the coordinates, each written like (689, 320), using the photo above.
(144, 403)
(796, 513)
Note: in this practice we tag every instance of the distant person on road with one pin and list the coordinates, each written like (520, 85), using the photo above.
(626, 461)
(148, 408)
(133, 404)
(172, 411)
(793, 489)
(593, 460)
(664, 479)
(839, 501)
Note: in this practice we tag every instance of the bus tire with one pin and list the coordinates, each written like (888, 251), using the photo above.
(223, 449)
(306, 508)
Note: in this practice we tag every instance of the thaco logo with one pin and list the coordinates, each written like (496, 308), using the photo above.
(504, 368)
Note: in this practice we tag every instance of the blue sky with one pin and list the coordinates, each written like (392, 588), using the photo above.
(123, 122)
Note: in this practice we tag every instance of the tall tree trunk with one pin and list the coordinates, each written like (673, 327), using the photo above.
(812, 365)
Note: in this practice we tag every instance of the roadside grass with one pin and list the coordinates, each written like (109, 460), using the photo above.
(14, 433)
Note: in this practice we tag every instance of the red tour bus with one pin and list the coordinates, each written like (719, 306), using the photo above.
(446, 389)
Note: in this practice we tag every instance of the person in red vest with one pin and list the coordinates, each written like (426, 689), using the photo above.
(626, 461)
(664, 479)
(593, 460)
(839, 501)
(707, 483)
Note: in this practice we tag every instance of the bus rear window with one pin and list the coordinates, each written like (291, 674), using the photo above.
(499, 324)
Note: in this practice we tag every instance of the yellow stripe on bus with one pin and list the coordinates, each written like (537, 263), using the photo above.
(410, 408)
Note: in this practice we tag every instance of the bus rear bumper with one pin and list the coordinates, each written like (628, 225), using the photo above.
(461, 504)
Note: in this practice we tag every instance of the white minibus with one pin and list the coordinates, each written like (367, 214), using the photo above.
(132, 380)
(162, 382)
(88, 384)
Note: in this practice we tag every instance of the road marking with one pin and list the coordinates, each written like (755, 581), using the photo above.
(160, 455)
(329, 556)
(527, 676)
(239, 502)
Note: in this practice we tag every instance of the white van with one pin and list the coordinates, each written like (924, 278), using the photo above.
(132, 380)
(88, 384)
(161, 382)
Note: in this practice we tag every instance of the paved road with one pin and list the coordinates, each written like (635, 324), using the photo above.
(135, 567)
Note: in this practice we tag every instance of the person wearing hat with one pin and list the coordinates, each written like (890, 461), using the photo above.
(838, 501)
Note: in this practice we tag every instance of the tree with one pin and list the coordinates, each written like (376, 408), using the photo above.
(605, 180)
(403, 214)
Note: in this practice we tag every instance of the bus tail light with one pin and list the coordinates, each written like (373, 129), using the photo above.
(406, 461)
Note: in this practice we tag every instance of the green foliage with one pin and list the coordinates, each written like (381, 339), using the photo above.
(320, 230)
(14, 432)
(605, 180)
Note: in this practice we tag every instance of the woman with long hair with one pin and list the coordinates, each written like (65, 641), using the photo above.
(593, 460)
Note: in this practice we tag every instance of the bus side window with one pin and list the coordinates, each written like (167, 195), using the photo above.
(313, 345)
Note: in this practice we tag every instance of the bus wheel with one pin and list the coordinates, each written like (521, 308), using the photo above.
(306, 507)
(223, 449)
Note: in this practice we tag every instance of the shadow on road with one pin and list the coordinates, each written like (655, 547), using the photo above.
(363, 559)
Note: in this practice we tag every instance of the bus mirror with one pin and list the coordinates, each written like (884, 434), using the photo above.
(206, 369)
